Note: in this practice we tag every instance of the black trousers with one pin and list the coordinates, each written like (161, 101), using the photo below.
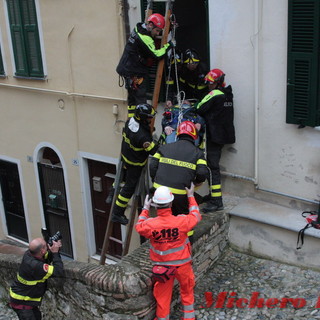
(132, 177)
(30, 314)
(137, 94)
(214, 151)
(180, 204)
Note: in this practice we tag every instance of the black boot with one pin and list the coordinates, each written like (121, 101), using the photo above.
(119, 218)
(110, 195)
(213, 205)
(118, 215)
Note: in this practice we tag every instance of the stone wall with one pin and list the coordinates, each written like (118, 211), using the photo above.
(122, 291)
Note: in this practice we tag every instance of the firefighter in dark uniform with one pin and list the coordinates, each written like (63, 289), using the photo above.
(138, 55)
(38, 264)
(177, 164)
(217, 110)
(137, 144)
(191, 76)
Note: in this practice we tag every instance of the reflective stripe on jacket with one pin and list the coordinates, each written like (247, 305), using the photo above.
(177, 164)
(217, 110)
(168, 234)
(30, 284)
(137, 52)
(137, 144)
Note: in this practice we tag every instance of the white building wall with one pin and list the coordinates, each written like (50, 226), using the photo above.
(248, 41)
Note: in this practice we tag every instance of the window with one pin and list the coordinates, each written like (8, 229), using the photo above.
(303, 83)
(25, 38)
(1, 64)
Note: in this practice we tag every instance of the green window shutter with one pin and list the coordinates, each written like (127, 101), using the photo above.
(25, 38)
(303, 63)
(17, 38)
(1, 64)
(32, 42)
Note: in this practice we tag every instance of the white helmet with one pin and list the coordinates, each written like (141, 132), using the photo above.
(162, 195)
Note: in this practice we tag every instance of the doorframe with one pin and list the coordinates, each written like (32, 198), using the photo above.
(36, 158)
(86, 197)
(24, 201)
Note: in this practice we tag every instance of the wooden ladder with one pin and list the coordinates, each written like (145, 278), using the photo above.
(143, 186)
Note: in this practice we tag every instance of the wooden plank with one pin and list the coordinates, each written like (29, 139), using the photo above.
(164, 40)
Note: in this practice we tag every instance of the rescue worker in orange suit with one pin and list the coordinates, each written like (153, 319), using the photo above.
(177, 164)
(138, 55)
(38, 264)
(170, 250)
(136, 145)
(217, 110)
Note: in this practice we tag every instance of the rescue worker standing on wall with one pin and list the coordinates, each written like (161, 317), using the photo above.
(177, 164)
(136, 145)
(38, 264)
(170, 250)
(217, 110)
(139, 54)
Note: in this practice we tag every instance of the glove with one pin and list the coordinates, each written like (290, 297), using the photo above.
(147, 203)
(190, 191)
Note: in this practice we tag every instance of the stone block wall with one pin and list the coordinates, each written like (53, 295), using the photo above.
(122, 291)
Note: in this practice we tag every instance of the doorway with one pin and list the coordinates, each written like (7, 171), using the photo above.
(101, 177)
(12, 200)
(54, 198)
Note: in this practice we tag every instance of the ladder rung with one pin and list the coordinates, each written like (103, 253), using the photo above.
(115, 240)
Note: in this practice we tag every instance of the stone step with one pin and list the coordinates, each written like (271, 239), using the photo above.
(271, 231)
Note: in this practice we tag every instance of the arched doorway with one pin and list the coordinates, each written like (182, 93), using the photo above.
(54, 198)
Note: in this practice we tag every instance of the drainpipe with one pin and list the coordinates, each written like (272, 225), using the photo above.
(257, 28)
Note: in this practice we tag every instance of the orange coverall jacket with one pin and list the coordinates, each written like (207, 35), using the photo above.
(169, 241)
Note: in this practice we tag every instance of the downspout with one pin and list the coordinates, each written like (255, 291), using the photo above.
(257, 28)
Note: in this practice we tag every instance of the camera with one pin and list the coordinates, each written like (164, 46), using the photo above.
(46, 236)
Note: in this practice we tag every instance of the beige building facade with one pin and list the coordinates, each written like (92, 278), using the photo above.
(60, 132)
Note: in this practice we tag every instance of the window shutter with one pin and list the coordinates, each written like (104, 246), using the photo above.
(17, 38)
(25, 38)
(303, 63)
(31, 35)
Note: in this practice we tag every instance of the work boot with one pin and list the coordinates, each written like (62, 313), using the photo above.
(119, 218)
(213, 205)
(110, 195)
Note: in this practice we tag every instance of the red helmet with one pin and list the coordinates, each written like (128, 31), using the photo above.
(158, 20)
(188, 127)
(215, 76)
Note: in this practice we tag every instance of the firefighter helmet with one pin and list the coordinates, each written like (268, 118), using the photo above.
(162, 195)
(157, 20)
(191, 56)
(187, 127)
(215, 76)
(144, 111)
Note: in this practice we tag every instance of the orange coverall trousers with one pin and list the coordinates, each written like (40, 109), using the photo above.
(163, 293)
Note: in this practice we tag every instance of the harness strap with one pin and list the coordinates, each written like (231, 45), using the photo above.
(301, 235)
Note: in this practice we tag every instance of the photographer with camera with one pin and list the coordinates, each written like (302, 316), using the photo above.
(39, 263)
